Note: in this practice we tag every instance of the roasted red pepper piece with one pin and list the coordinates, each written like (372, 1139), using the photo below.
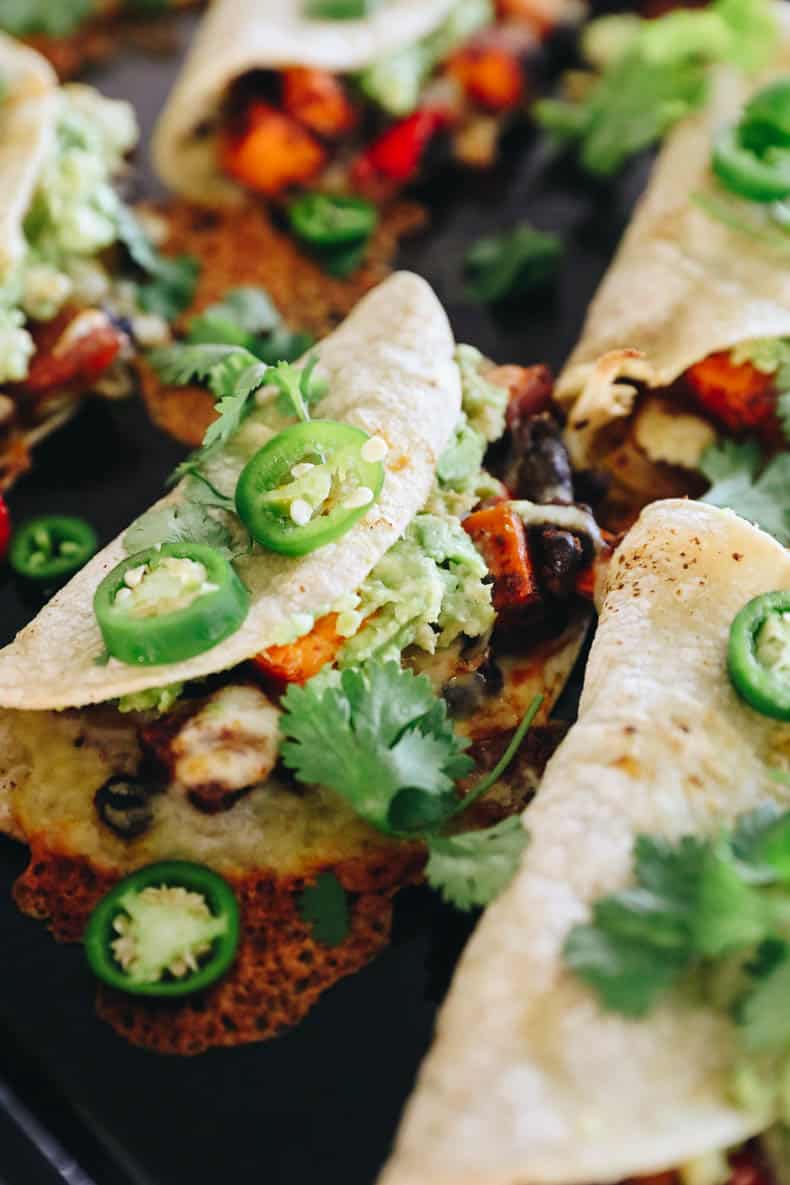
(739, 395)
(5, 527)
(78, 360)
(539, 16)
(749, 1167)
(529, 390)
(396, 155)
(490, 76)
(270, 151)
(498, 534)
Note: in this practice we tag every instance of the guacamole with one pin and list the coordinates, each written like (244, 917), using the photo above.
(73, 218)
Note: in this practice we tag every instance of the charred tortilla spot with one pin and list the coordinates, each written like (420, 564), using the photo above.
(629, 765)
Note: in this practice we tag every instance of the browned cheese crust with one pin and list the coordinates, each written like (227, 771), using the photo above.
(280, 970)
(241, 247)
(101, 38)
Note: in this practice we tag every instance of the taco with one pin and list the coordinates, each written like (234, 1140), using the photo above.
(600, 1029)
(281, 94)
(69, 317)
(678, 383)
(295, 717)
(73, 34)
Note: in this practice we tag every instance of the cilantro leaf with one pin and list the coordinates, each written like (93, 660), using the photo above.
(299, 389)
(186, 522)
(236, 319)
(512, 263)
(22, 18)
(763, 1013)
(762, 843)
(232, 373)
(172, 288)
(219, 366)
(377, 733)
(135, 239)
(627, 974)
(729, 913)
(633, 104)
(282, 345)
(657, 75)
(324, 906)
(715, 907)
(732, 468)
(783, 409)
(231, 409)
(473, 868)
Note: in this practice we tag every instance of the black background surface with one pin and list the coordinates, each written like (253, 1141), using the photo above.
(323, 1100)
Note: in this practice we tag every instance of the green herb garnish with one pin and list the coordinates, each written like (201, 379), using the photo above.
(324, 906)
(172, 283)
(247, 317)
(234, 375)
(512, 263)
(339, 10)
(236, 320)
(658, 75)
(740, 481)
(713, 914)
(23, 18)
(383, 740)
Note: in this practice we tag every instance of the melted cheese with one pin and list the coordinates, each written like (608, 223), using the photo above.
(231, 743)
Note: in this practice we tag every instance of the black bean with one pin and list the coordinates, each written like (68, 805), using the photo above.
(464, 694)
(540, 469)
(123, 804)
(560, 555)
(591, 485)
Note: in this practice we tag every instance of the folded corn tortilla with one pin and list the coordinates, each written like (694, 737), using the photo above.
(682, 286)
(242, 35)
(529, 1080)
(390, 371)
(28, 114)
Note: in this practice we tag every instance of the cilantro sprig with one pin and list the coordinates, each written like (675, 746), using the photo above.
(324, 907)
(247, 317)
(23, 18)
(739, 480)
(172, 281)
(715, 911)
(234, 375)
(658, 73)
(512, 263)
(382, 740)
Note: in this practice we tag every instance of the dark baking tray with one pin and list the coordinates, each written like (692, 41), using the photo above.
(323, 1101)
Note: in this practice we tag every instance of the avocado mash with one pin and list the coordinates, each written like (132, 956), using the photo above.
(72, 218)
(396, 81)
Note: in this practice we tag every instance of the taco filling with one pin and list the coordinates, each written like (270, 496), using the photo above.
(70, 319)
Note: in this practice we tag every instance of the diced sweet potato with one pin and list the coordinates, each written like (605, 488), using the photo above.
(300, 660)
(271, 152)
(739, 395)
(498, 534)
(318, 100)
(490, 76)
